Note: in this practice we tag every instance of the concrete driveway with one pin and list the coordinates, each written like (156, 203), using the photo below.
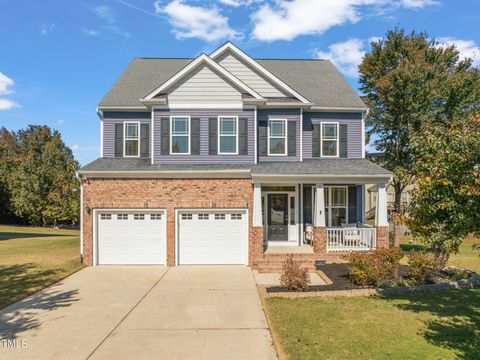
(141, 313)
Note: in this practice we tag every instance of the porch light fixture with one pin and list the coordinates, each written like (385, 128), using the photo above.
(88, 210)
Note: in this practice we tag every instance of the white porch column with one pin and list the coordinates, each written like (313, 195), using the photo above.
(257, 205)
(319, 218)
(381, 217)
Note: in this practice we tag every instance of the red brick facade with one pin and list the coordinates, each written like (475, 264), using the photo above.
(382, 237)
(169, 194)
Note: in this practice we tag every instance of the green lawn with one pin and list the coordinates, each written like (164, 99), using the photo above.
(33, 258)
(467, 258)
(441, 325)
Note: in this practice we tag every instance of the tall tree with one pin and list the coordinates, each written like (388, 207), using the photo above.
(399, 78)
(41, 180)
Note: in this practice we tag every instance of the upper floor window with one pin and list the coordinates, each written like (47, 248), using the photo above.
(131, 139)
(277, 137)
(228, 135)
(329, 140)
(180, 135)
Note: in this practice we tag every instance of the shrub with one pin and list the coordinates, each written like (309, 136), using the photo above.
(420, 267)
(375, 268)
(293, 276)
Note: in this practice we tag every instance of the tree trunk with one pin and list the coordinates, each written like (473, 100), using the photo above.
(397, 209)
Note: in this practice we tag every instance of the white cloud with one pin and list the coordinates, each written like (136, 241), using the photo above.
(375, 39)
(90, 32)
(83, 148)
(60, 121)
(345, 55)
(417, 4)
(190, 21)
(467, 48)
(45, 29)
(115, 30)
(5, 84)
(6, 104)
(287, 19)
(105, 12)
(237, 3)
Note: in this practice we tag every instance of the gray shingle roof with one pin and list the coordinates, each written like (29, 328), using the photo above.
(307, 167)
(317, 80)
(321, 167)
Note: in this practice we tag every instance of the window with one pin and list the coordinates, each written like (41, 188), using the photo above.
(329, 137)
(277, 137)
(203, 216)
(292, 210)
(155, 216)
(106, 216)
(236, 216)
(180, 135)
(187, 216)
(138, 216)
(228, 135)
(219, 216)
(336, 205)
(122, 216)
(131, 139)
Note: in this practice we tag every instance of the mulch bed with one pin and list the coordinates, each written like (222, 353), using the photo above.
(338, 274)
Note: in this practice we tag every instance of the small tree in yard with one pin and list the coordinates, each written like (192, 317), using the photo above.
(410, 83)
(293, 276)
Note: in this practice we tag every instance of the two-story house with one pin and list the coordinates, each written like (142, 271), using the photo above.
(225, 159)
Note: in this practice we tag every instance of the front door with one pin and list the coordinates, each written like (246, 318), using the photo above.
(277, 217)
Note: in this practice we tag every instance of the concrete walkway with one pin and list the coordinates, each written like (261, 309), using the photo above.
(141, 313)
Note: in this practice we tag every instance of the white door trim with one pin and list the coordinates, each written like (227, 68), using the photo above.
(289, 242)
(95, 215)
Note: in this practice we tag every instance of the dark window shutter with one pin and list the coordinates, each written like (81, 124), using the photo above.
(263, 137)
(165, 131)
(119, 140)
(360, 216)
(212, 136)
(316, 140)
(292, 138)
(243, 136)
(343, 141)
(195, 136)
(352, 204)
(144, 140)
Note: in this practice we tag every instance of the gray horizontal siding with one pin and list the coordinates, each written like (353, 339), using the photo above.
(354, 133)
(289, 114)
(204, 157)
(112, 118)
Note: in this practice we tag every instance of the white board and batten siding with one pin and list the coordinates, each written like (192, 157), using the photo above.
(203, 86)
(212, 237)
(250, 77)
(126, 237)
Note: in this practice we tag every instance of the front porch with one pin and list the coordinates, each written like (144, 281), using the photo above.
(316, 221)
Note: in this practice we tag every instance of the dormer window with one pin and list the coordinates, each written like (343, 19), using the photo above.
(228, 135)
(277, 137)
(131, 139)
(180, 135)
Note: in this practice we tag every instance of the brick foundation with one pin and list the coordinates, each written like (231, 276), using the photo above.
(319, 240)
(169, 194)
(382, 237)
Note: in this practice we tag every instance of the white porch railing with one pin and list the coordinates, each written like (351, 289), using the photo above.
(351, 239)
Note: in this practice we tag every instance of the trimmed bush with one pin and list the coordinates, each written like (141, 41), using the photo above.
(377, 268)
(420, 267)
(293, 276)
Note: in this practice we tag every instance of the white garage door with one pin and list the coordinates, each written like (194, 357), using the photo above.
(212, 237)
(131, 238)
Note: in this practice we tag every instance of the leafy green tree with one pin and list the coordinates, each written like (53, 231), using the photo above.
(41, 182)
(400, 79)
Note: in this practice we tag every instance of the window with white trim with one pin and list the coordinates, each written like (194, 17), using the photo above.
(122, 216)
(138, 216)
(219, 216)
(277, 137)
(105, 216)
(187, 216)
(336, 205)
(236, 216)
(329, 139)
(131, 139)
(227, 135)
(203, 216)
(155, 216)
(180, 135)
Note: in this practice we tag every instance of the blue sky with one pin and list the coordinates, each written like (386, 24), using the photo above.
(58, 58)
